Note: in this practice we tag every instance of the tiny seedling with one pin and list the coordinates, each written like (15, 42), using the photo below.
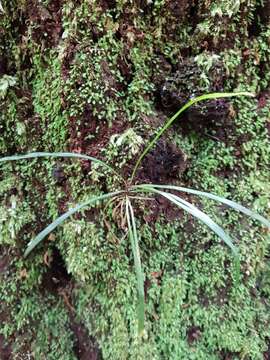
(130, 190)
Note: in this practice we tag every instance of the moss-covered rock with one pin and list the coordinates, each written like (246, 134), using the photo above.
(98, 77)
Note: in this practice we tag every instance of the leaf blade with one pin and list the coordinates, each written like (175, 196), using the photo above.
(137, 263)
(34, 155)
(169, 122)
(34, 242)
(203, 217)
(234, 205)
(188, 207)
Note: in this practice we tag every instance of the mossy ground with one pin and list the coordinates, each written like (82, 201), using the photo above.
(77, 76)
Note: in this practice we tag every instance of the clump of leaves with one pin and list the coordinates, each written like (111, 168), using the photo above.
(6, 82)
(130, 191)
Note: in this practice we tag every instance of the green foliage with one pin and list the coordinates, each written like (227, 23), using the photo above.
(6, 82)
(83, 242)
(50, 342)
(92, 83)
(182, 262)
(47, 92)
(12, 219)
(127, 215)
(123, 147)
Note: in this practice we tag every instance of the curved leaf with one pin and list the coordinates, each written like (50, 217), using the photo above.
(188, 207)
(34, 155)
(33, 243)
(179, 112)
(234, 205)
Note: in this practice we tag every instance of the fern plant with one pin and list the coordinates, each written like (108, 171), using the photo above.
(131, 190)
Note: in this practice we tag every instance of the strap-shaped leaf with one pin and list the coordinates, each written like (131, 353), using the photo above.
(34, 155)
(234, 205)
(33, 243)
(175, 116)
(132, 230)
(193, 210)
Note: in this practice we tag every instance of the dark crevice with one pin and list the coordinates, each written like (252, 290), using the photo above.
(5, 349)
(85, 346)
(261, 17)
(56, 276)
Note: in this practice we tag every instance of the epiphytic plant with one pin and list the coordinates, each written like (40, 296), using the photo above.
(130, 190)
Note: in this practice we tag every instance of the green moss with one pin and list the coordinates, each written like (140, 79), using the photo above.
(54, 339)
(47, 101)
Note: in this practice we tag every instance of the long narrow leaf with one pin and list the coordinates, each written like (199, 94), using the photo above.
(33, 243)
(185, 205)
(188, 207)
(193, 210)
(220, 199)
(175, 116)
(137, 262)
(34, 155)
